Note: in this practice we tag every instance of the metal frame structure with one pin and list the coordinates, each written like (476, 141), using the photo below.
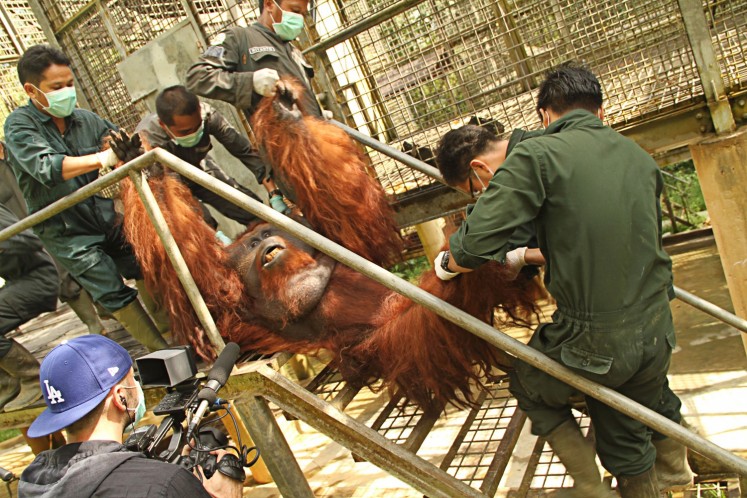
(402, 71)
(254, 389)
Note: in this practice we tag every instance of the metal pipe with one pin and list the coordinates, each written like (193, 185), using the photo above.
(390, 151)
(699, 303)
(177, 260)
(274, 448)
(363, 25)
(81, 194)
(459, 317)
(711, 309)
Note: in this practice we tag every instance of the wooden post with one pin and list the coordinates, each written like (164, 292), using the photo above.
(721, 163)
(432, 237)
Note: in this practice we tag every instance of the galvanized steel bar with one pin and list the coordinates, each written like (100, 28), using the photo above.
(390, 151)
(82, 193)
(273, 447)
(177, 260)
(363, 25)
(711, 309)
(459, 317)
(360, 439)
(692, 300)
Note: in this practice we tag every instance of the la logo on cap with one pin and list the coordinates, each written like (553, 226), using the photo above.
(53, 395)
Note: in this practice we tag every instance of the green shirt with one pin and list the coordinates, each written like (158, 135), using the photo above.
(594, 197)
(36, 150)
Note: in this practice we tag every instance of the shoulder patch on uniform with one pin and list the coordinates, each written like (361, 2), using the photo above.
(257, 50)
(219, 38)
(214, 51)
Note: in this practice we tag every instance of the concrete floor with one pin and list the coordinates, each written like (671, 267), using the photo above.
(708, 372)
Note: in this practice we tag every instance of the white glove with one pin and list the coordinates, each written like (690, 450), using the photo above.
(515, 262)
(107, 158)
(327, 115)
(438, 264)
(264, 81)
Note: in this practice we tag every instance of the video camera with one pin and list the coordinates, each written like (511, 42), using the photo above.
(187, 401)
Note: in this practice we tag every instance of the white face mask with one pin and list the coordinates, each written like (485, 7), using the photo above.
(483, 187)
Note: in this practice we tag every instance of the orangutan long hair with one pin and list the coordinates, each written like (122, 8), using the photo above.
(372, 332)
(327, 172)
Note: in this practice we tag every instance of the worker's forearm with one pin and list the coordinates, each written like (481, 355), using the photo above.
(534, 256)
(73, 166)
(453, 266)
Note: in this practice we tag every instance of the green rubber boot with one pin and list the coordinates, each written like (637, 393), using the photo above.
(578, 456)
(140, 326)
(22, 365)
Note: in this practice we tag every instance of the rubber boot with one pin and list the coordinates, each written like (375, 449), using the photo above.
(9, 388)
(672, 470)
(137, 322)
(157, 313)
(83, 307)
(578, 457)
(641, 486)
(22, 365)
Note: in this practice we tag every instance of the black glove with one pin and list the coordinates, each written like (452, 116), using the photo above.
(126, 147)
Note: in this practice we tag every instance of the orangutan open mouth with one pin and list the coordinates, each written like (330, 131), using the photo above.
(270, 253)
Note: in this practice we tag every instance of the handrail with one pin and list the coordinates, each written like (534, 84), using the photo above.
(699, 303)
(459, 317)
(451, 313)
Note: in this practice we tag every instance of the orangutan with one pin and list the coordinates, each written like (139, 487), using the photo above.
(271, 292)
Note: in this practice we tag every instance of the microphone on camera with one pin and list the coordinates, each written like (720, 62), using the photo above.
(216, 379)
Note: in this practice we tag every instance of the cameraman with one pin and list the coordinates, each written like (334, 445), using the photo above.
(91, 392)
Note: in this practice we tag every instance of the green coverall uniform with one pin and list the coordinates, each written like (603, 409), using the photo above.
(214, 125)
(594, 197)
(225, 71)
(86, 239)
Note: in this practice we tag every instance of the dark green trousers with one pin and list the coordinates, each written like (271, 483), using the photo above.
(87, 240)
(628, 351)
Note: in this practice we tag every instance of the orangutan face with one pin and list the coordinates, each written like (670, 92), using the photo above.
(284, 276)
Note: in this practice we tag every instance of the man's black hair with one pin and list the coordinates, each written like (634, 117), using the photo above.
(570, 86)
(176, 101)
(458, 148)
(36, 60)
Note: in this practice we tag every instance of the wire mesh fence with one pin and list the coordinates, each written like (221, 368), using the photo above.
(434, 65)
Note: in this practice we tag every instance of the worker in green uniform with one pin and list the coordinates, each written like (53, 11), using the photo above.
(184, 126)
(54, 149)
(594, 198)
(244, 64)
(30, 289)
(468, 157)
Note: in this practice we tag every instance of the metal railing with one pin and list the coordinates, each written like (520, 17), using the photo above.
(263, 384)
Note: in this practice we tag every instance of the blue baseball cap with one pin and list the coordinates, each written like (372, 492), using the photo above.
(75, 377)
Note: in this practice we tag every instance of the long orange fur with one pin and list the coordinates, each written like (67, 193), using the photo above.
(327, 171)
(372, 332)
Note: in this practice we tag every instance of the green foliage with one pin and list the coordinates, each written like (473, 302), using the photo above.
(683, 190)
(6, 434)
(411, 269)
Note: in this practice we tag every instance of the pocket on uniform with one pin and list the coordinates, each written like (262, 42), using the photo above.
(264, 55)
(585, 360)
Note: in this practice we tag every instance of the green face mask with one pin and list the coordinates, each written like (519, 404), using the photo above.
(290, 25)
(61, 102)
(190, 140)
(139, 410)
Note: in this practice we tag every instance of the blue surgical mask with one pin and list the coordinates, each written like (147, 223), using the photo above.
(190, 140)
(61, 102)
(290, 25)
(139, 409)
